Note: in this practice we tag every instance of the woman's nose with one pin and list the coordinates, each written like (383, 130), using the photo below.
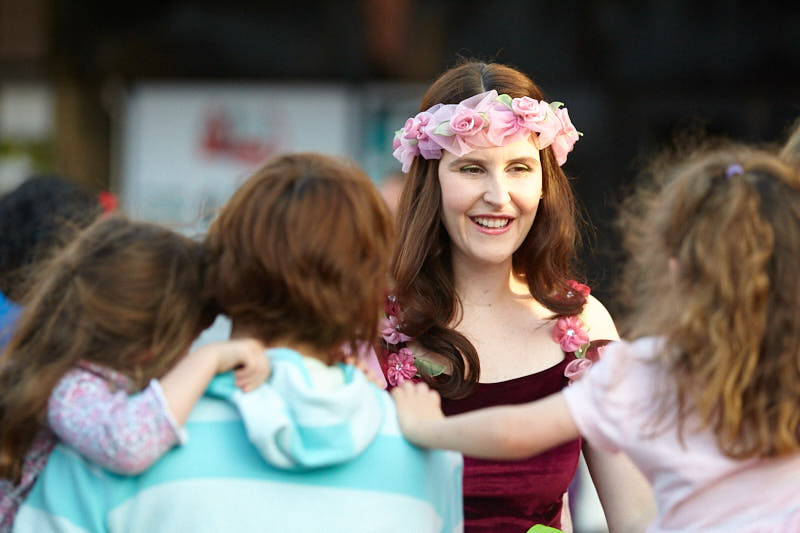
(496, 190)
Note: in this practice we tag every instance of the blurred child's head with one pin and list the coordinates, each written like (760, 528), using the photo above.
(39, 214)
(123, 294)
(714, 261)
(300, 253)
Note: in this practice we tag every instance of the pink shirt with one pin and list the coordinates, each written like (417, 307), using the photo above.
(697, 488)
(90, 410)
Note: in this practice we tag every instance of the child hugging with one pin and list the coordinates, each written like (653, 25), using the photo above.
(98, 358)
(705, 401)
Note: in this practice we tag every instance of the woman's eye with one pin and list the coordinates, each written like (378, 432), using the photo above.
(519, 168)
(471, 169)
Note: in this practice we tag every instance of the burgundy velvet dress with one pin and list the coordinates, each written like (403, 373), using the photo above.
(514, 495)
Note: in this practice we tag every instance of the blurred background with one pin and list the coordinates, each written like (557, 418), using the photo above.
(170, 104)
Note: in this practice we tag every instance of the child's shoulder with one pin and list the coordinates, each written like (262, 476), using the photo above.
(86, 377)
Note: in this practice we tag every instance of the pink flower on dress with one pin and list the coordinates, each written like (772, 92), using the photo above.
(576, 369)
(400, 367)
(390, 306)
(577, 288)
(570, 333)
(390, 331)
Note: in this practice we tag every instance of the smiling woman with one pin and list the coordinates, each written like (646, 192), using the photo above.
(489, 200)
(483, 271)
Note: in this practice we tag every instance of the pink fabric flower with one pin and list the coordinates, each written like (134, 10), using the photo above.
(503, 126)
(400, 367)
(566, 137)
(570, 333)
(390, 306)
(548, 128)
(413, 128)
(466, 122)
(483, 120)
(576, 369)
(390, 330)
(405, 150)
(577, 288)
(529, 111)
(594, 353)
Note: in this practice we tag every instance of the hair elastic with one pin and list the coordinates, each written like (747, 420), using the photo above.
(733, 170)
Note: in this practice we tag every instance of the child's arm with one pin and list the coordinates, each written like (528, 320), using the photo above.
(504, 432)
(188, 379)
(127, 434)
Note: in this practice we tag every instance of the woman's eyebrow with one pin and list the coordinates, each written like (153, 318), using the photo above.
(528, 160)
(465, 161)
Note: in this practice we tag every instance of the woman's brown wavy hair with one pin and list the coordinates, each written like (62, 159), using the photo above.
(728, 307)
(422, 269)
(300, 253)
(123, 294)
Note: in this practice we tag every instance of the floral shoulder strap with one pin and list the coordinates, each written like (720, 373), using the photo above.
(572, 334)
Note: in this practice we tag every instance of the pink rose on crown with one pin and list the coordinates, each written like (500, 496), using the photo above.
(530, 112)
(570, 333)
(503, 125)
(400, 367)
(405, 150)
(466, 122)
(413, 128)
(566, 138)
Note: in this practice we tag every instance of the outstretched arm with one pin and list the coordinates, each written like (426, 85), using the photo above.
(127, 434)
(503, 432)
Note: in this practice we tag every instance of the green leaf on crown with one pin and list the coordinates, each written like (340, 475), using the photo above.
(444, 129)
(505, 100)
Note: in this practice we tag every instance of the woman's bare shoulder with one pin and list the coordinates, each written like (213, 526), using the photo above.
(598, 320)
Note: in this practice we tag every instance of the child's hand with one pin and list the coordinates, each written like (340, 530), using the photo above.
(247, 359)
(417, 406)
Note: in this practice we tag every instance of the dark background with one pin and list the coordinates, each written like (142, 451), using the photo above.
(633, 73)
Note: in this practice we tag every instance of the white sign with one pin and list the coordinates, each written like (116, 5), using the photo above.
(185, 148)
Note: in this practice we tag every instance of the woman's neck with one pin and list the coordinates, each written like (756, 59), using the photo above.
(486, 284)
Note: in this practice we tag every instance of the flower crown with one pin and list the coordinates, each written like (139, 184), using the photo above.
(484, 120)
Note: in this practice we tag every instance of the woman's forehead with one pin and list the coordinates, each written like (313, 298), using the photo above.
(525, 149)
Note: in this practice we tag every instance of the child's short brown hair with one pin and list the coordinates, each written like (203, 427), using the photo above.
(300, 253)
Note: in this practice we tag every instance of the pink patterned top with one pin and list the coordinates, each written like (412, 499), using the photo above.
(90, 410)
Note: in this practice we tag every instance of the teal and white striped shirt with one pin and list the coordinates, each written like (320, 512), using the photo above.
(312, 455)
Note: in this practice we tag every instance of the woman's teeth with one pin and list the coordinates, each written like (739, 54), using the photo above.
(491, 222)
